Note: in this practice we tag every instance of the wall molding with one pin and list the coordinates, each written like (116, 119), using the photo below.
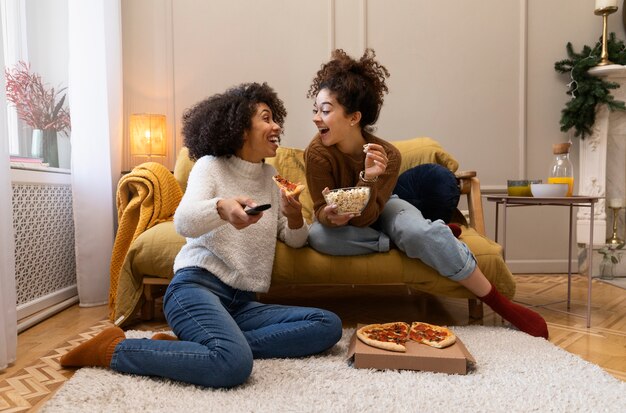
(523, 89)
(532, 266)
(363, 26)
(331, 26)
(47, 303)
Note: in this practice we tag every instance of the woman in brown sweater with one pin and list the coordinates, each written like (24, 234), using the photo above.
(348, 97)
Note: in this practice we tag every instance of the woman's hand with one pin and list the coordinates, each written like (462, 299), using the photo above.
(375, 161)
(232, 210)
(291, 207)
(330, 211)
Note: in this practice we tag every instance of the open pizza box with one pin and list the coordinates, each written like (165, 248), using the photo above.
(454, 359)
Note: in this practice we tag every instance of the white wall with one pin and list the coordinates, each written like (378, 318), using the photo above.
(476, 75)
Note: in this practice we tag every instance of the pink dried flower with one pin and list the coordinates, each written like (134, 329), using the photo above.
(35, 103)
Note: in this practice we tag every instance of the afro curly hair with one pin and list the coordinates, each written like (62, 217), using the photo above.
(357, 85)
(216, 125)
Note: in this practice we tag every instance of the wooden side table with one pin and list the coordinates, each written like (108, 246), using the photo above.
(574, 201)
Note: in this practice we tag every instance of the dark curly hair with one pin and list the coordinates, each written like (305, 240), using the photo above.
(216, 125)
(357, 85)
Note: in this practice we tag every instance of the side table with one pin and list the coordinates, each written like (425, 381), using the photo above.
(574, 201)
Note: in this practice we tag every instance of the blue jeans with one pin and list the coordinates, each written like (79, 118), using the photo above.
(221, 330)
(432, 242)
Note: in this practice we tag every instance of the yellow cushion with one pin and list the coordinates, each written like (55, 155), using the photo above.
(418, 151)
(289, 162)
(151, 254)
(183, 168)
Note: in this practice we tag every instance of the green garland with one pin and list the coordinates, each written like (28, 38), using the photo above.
(588, 91)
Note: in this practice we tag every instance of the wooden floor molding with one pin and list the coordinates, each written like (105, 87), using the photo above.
(33, 379)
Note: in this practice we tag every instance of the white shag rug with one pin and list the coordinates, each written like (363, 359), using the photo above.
(513, 373)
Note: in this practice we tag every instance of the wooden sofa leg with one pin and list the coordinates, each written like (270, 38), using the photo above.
(153, 288)
(147, 309)
(475, 308)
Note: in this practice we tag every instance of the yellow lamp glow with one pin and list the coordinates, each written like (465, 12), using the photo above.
(147, 134)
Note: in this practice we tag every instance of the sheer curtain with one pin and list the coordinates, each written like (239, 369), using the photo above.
(95, 95)
(8, 315)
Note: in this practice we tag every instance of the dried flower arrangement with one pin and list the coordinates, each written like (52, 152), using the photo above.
(37, 105)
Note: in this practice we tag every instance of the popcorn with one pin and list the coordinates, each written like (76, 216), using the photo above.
(348, 200)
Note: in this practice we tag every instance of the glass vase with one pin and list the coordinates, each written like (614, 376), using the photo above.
(50, 148)
(606, 268)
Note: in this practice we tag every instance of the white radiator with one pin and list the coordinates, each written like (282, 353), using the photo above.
(45, 264)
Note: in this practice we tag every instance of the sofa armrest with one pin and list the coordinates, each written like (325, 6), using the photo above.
(470, 187)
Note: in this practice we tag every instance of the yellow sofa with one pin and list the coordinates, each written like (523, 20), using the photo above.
(147, 267)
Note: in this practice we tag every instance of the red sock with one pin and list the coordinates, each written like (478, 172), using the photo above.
(456, 230)
(521, 317)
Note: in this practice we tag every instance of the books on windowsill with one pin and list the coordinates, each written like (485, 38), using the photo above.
(27, 162)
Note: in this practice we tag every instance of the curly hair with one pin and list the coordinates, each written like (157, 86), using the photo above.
(216, 125)
(357, 85)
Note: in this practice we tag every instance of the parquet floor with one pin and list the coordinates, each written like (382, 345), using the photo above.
(33, 379)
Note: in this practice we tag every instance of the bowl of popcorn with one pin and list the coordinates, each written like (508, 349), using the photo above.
(352, 200)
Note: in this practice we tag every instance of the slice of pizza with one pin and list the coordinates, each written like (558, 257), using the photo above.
(388, 336)
(291, 188)
(431, 335)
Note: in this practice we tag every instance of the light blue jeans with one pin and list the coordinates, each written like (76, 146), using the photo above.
(221, 330)
(432, 242)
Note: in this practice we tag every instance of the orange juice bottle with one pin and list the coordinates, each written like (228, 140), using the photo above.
(562, 170)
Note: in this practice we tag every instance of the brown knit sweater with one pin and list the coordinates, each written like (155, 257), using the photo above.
(329, 167)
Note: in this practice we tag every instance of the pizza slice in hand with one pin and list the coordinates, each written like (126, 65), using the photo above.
(388, 336)
(291, 188)
(431, 335)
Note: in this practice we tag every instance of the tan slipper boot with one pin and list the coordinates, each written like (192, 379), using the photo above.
(96, 352)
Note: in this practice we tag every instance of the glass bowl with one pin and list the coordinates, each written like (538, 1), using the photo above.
(351, 200)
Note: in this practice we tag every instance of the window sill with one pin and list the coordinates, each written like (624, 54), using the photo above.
(40, 175)
(39, 168)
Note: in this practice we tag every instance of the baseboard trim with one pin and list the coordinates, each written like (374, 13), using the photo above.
(540, 266)
(41, 304)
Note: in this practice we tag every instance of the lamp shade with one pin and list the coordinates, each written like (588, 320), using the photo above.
(147, 134)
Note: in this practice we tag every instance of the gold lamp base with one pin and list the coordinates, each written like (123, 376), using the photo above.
(615, 240)
(604, 12)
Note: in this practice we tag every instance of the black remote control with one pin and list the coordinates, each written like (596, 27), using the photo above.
(257, 209)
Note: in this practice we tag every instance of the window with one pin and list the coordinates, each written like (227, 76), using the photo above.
(36, 32)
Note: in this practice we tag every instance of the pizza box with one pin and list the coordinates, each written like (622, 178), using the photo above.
(454, 359)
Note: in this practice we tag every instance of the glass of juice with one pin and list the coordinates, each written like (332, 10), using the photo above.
(519, 187)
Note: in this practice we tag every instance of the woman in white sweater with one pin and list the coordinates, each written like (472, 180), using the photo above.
(211, 302)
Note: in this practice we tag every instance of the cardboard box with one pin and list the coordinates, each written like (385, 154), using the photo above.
(454, 359)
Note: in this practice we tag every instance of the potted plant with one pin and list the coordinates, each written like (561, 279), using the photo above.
(588, 91)
(41, 107)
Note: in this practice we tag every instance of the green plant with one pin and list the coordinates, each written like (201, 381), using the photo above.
(588, 91)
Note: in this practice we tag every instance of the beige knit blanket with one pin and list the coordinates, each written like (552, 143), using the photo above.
(149, 194)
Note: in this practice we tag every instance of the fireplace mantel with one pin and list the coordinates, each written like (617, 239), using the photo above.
(603, 160)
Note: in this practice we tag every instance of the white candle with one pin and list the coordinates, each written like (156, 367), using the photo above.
(617, 203)
(601, 4)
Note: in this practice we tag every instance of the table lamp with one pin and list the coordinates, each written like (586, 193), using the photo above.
(147, 135)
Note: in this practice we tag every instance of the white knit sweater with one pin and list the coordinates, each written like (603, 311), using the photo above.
(243, 258)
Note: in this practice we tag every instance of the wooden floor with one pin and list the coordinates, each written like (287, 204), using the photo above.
(26, 385)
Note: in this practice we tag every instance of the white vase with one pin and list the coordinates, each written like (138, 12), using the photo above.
(36, 149)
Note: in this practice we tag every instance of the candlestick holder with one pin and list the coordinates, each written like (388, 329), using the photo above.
(615, 240)
(604, 12)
